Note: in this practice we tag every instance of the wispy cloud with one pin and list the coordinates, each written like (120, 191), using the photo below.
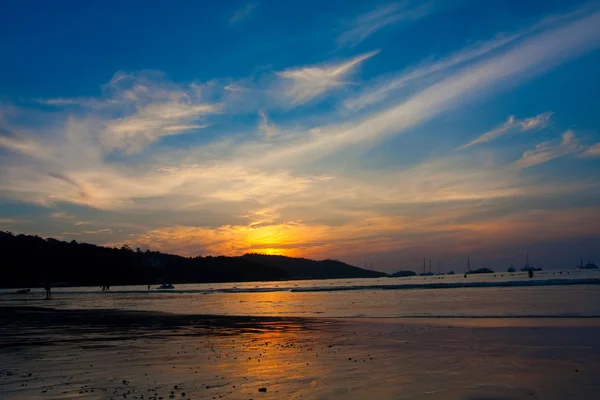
(592, 152)
(512, 124)
(242, 13)
(148, 124)
(549, 150)
(64, 216)
(66, 101)
(60, 215)
(267, 128)
(235, 173)
(21, 144)
(367, 24)
(304, 84)
(531, 57)
(97, 231)
(385, 88)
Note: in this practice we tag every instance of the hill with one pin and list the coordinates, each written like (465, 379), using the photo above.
(302, 268)
(28, 261)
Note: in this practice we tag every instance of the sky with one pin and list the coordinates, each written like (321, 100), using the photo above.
(377, 133)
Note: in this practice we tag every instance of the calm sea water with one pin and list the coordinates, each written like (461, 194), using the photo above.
(573, 293)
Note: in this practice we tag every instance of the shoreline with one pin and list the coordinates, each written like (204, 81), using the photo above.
(459, 283)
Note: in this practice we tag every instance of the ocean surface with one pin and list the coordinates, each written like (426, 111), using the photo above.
(550, 294)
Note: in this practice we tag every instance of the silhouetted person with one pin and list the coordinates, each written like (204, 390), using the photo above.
(148, 286)
(531, 273)
(465, 274)
(48, 288)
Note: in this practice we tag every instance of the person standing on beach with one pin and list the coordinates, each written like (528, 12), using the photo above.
(48, 288)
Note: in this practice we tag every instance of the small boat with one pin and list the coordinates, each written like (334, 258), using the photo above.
(23, 291)
(166, 286)
(589, 265)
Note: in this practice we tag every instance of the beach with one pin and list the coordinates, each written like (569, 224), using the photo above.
(114, 354)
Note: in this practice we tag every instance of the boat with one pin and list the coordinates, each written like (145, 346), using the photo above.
(476, 271)
(589, 265)
(166, 286)
(23, 291)
(481, 271)
(528, 267)
(426, 273)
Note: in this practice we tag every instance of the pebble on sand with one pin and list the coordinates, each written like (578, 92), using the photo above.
(262, 389)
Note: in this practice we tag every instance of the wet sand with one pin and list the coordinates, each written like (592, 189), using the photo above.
(112, 354)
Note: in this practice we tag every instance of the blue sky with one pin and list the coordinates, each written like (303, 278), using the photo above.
(379, 132)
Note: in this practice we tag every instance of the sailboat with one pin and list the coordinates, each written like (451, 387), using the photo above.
(482, 270)
(527, 266)
(166, 286)
(426, 273)
(590, 264)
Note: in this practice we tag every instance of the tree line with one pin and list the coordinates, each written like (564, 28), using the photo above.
(29, 261)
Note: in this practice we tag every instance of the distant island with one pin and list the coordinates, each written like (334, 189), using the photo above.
(28, 261)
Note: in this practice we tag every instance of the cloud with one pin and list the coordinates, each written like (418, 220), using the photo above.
(267, 128)
(230, 170)
(94, 232)
(64, 216)
(134, 133)
(367, 24)
(243, 13)
(301, 85)
(592, 151)
(136, 110)
(61, 215)
(384, 88)
(64, 101)
(538, 122)
(548, 151)
(22, 144)
(532, 57)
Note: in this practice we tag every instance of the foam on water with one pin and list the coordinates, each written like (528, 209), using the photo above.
(550, 294)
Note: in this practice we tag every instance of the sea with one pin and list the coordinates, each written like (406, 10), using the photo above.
(549, 294)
